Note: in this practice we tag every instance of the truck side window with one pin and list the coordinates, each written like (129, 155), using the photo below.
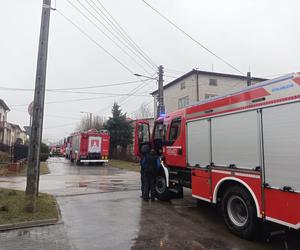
(175, 129)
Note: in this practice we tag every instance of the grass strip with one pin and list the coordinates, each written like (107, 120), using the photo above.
(12, 207)
(127, 165)
(44, 169)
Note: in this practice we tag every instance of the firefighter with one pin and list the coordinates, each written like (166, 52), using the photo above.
(151, 165)
(144, 151)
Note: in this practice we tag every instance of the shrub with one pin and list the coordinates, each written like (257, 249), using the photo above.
(4, 157)
(44, 148)
(44, 156)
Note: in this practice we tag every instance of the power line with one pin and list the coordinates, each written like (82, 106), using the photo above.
(99, 29)
(75, 88)
(122, 100)
(91, 93)
(132, 94)
(133, 91)
(60, 126)
(193, 39)
(49, 115)
(129, 93)
(123, 40)
(70, 92)
(123, 32)
(100, 86)
(72, 100)
(95, 42)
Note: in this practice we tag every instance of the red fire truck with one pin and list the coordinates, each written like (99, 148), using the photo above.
(240, 151)
(90, 147)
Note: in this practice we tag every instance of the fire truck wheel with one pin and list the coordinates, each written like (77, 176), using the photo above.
(239, 212)
(161, 189)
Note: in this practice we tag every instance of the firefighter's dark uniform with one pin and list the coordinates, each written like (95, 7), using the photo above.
(142, 163)
(144, 151)
(151, 162)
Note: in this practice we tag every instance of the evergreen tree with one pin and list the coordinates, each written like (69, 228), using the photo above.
(120, 129)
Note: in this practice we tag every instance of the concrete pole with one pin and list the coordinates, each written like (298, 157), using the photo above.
(197, 85)
(249, 83)
(161, 106)
(38, 111)
(91, 120)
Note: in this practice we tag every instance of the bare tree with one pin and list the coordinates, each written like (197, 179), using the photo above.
(144, 111)
(98, 122)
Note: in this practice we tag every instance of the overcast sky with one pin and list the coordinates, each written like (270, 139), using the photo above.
(262, 35)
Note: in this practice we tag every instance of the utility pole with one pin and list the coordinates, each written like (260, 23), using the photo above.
(161, 106)
(91, 120)
(38, 111)
(197, 86)
(249, 83)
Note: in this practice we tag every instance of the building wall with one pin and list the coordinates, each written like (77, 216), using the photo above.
(16, 133)
(23, 136)
(3, 126)
(224, 85)
(177, 94)
(3, 114)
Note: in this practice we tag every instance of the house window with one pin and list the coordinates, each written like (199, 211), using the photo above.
(206, 96)
(213, 82)
(182, 85)
(183, 102)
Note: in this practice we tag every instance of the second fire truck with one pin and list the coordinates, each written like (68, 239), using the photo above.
(89, 147)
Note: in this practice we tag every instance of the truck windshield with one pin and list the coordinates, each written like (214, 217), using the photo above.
(159, 131)
(159, 136)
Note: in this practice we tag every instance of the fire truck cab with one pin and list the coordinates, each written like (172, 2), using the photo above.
(240, 151)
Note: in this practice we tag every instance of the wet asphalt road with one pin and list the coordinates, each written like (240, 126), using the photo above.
(101, 209)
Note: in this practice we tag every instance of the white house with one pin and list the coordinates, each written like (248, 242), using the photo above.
(197, 85)
(9, 132)
(5, 132)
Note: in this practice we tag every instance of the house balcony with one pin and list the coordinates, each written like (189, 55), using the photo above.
(3, 125)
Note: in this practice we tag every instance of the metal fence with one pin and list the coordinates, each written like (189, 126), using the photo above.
(5, 148)
(14, 153)
(19, 152)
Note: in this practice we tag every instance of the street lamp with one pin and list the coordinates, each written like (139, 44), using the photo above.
(152, 78)
(91, 117)
(161, 106)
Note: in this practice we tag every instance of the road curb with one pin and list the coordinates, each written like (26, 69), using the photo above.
(35, 223)
(28, 224)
